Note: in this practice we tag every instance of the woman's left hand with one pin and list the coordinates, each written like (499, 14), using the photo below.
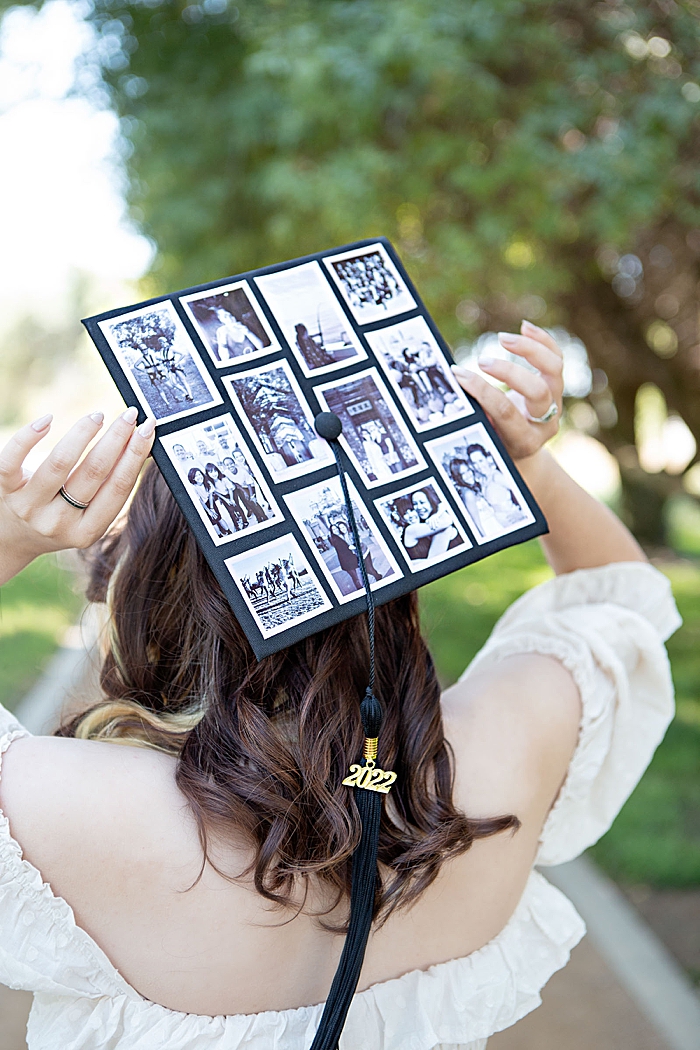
(531, 394)
(34, 516)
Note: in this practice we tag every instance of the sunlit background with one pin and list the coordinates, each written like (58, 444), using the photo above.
(67, 248)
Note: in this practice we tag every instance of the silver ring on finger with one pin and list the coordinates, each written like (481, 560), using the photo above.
(551, 412)
(78, 504)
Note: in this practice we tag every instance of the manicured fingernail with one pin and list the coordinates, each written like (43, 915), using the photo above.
(487, 362)
(529, 324)
(147, 427)
(507, 338)
(130, 416)
(460, 370)
(97, 417)
(42, 422)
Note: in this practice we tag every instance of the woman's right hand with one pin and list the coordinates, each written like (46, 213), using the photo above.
(531, 394)
(35, 518)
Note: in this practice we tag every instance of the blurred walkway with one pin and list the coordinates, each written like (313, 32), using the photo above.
(584, 1007)
(621, 990)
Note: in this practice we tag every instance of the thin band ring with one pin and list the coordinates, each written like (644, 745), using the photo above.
(72, 500)
(551, 412)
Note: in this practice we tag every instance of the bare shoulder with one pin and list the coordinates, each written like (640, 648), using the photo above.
(58, 793)
(513, 728)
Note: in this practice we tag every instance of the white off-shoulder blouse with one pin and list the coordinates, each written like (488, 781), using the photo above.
(607, 626)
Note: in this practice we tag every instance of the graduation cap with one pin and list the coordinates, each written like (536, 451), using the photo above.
(309, 427)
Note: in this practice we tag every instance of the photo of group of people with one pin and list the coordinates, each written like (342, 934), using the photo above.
(231, 323)
(279, 420)
(374, 435)
(160, 362)
(473, 470)
(423, 524)
(321, 512)
(311, 319)
(418, 499)
(370, 284)
(278, 585)
(222, 479)
(419, 373)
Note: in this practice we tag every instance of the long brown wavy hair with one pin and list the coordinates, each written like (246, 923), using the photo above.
(262, 747)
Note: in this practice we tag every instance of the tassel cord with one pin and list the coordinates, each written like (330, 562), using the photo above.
(364, 860)
(360, 558)
(364, 876)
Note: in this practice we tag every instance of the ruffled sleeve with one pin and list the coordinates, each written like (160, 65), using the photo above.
(607, 626)
(9, 724)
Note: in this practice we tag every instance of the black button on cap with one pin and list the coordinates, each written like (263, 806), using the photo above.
(328, 425)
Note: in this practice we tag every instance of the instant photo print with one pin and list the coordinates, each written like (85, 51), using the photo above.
(235, 372)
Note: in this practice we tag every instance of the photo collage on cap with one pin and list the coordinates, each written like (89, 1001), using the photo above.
(234, 375)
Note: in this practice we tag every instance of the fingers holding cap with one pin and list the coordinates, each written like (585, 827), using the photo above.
(493, 401)
(546, 360)
(534, 388)
(47, 480)
(17, 449)
(86, 479)
(117, 488)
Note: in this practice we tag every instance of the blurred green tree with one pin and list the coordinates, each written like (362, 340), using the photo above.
(529, 158)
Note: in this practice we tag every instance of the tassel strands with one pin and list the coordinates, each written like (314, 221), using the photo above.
(369, 784)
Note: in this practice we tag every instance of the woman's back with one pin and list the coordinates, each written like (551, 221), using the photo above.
(110, 831)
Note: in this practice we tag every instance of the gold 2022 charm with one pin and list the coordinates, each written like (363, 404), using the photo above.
(370, 778)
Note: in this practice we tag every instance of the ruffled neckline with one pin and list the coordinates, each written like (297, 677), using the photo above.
(471, 996)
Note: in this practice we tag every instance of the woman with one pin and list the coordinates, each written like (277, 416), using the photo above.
(233, 337)
(204, 492)
(315, 355)
(131, 940)
(381, 456)
(429, 531)
(468, 488)
(221, 496)
(245, 489)
(173, 362)
(341, 541)
(495, 489)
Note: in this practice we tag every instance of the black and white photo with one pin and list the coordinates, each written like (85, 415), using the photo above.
(475, 473)
(370, 283)
(278, 585)
(231, 323)
(161, 362)
(423, 524)
(375, 437)
(221, 477)
(418, 371)
(278, 420)
(311, 319)
(321, 512)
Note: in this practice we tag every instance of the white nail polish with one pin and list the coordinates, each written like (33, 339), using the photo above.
(42, 422)
(147, 427)
(97, 417)
(131, 415)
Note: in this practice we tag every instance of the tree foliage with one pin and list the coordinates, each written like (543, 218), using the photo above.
(528, 157)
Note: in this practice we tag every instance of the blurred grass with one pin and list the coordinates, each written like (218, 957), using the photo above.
(36, 608)
(656, 838)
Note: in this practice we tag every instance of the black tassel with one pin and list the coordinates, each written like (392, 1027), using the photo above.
(371, 714)
(364, 877)
(369, 805)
